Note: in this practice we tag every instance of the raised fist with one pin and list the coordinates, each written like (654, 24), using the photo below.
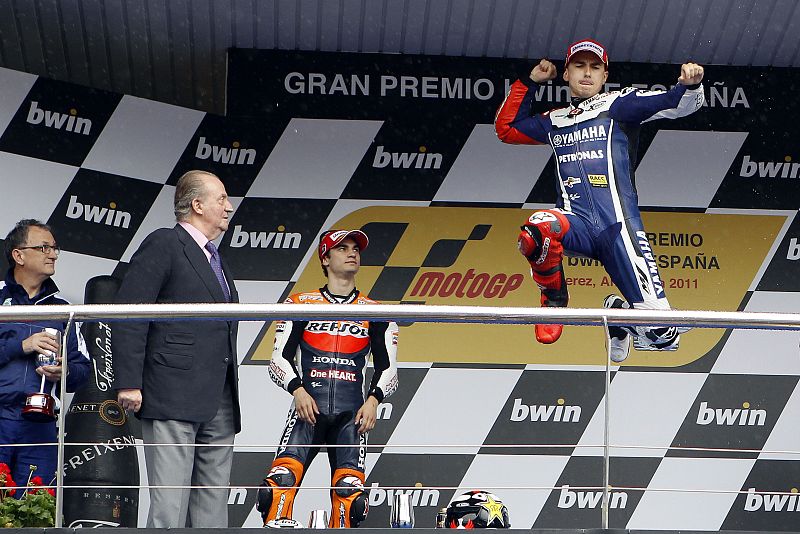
(691, 74)
(544, 71)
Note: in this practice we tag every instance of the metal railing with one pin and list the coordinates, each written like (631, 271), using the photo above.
(401, 313)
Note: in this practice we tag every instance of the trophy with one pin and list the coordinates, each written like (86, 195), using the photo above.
(318, 519)
(41, 407)
(402, 513)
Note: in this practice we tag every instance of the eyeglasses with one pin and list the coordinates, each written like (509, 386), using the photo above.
(44, 249)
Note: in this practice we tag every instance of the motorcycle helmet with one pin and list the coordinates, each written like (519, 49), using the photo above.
(476, 509)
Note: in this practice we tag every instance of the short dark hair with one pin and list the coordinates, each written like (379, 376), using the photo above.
(19, 235)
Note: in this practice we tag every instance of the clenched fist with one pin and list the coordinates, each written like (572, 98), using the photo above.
(691, 74)
(544, 71)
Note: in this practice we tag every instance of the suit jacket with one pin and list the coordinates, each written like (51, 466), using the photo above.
(180, 366)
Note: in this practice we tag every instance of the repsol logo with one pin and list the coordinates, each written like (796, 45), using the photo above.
(353, 329)
(769, 169)
(419, 497)
(556, 413)
(772, 502)
(469, 284)
(590, 499)
(109, 216)
(219, 154)
(279, 239)
(407, 160)
(743, 416)
(60, 121)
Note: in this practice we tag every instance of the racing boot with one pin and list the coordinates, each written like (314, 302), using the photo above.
(618, 339)
(658, 338)
(277, 492)
(554, 294)
(540, 242)
(644, 337)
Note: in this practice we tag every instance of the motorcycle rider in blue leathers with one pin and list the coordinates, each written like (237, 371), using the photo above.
(594, 141)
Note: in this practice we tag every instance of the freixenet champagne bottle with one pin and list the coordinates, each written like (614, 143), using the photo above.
(96, 417)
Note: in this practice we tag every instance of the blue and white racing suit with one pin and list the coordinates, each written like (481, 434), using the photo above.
(594, 141)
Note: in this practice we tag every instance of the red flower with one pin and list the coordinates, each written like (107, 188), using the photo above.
(51, 491)
(37, 481)
(4, 469)
(6, 482)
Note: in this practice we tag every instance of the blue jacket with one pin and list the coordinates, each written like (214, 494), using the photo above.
(594, 141)
(18, 376)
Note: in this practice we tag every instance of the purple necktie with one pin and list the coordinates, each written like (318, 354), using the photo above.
(216, 266)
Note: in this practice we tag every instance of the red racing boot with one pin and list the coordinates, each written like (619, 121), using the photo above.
(554, 294)
(540, 243)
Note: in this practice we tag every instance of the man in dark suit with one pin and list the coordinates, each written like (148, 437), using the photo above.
(180, 377)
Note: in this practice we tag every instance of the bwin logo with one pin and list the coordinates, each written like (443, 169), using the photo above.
(407, 160)
(769, 169)
(558, 413)
(109, 216)
(590, 499)
(419, 497)
(59, 121)
(385, 410)
(219, 154)
(772, 502)
(743, 416)
(279, 239)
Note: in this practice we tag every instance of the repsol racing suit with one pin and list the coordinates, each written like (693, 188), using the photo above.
(594, 142)
(328, 359)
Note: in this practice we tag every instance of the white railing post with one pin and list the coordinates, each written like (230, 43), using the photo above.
(606, 435)
(64, 350)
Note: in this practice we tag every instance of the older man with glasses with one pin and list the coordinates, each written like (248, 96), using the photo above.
(31, 251)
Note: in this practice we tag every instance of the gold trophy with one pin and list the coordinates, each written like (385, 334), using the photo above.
(41, 406)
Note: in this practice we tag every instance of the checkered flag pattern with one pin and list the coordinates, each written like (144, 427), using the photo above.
(413, 160)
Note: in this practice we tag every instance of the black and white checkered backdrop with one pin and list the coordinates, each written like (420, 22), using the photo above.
(403, 147)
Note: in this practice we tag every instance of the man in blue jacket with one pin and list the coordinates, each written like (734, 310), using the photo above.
(594, 141)
(31, 251)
